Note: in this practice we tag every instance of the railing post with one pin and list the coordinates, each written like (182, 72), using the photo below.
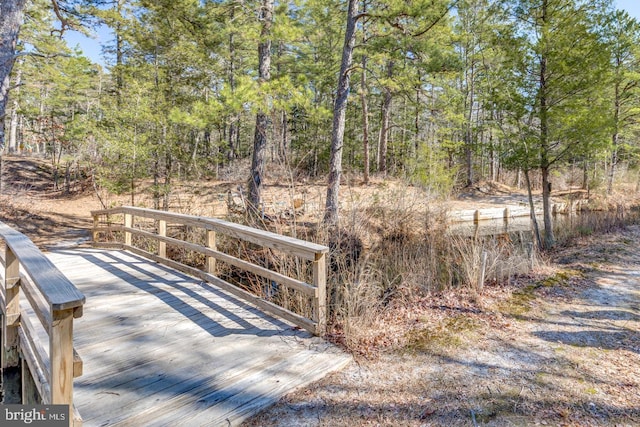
(61, 356)
(320, 303)
(94, 232)
(162, 232)
(506, 216)
(211, 244)
(128, 223)
(11, 364)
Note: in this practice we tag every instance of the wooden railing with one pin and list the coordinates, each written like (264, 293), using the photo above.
(507, 213)
(31, 373)
(127, 234)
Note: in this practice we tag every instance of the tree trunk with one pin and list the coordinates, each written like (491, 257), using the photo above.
(13, 127)
(468, 131)
(284, 137)
(67, 178)
(384, 128)
(585, 176)
(365, 120)
(282, 117)
(156, 180)
(549, 239)
(468, 156)
(119, 53)
(168, 171)
(256, 179)
(532, 211)
(234, 120)
(614, 139)
(132, 183)
(365, 106)
(495, 164)
(339, 115)
(11, 13)
(258, 160)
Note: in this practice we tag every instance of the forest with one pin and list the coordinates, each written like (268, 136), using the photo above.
(439, 93)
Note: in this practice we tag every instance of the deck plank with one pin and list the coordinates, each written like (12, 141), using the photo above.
(161, 348)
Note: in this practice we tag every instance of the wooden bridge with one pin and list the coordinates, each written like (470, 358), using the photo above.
(160, 328)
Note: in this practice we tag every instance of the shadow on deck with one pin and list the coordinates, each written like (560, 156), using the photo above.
(162, 348)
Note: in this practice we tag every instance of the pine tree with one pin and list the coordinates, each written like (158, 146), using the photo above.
(11, 12)
(339, 114)
(256, 180)
(623, 38)
(557, 62)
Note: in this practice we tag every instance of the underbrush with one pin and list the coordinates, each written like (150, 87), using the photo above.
(411, 257)
(382, 258)
(386, 262)
(587, 223)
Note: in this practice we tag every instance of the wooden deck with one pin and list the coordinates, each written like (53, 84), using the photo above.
(161, 348)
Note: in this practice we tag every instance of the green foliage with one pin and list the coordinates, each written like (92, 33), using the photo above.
(181, 91)
(433, 171)
(57, 93)
(575, 60)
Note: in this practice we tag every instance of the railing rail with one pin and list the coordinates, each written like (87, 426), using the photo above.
(35, 371)
(314, 253)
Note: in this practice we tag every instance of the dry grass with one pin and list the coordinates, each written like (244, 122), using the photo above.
(559, 347)
(409, 261)
(390, 254)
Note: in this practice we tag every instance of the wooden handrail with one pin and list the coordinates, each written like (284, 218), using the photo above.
(57, 290)
(312, 252)
(30, 373)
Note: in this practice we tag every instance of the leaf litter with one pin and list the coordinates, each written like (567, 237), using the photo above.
(560, 347)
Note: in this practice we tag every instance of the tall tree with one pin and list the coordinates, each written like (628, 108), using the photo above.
(256, 179)
(558, 65)
(11, 12)
(399, 38)
(364, 90)
(339, 115)
(234, 119)
(14, 145)
(385, 121)
(623, 34)
(473, 23)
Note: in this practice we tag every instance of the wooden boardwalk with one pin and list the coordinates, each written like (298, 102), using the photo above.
(161, 348)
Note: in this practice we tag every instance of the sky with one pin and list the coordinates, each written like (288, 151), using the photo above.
(92, 47)
(631, 6)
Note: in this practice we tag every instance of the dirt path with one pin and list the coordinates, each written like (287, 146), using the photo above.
(564, 351)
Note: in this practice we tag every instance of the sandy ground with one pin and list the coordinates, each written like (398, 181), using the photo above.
(564, 351)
